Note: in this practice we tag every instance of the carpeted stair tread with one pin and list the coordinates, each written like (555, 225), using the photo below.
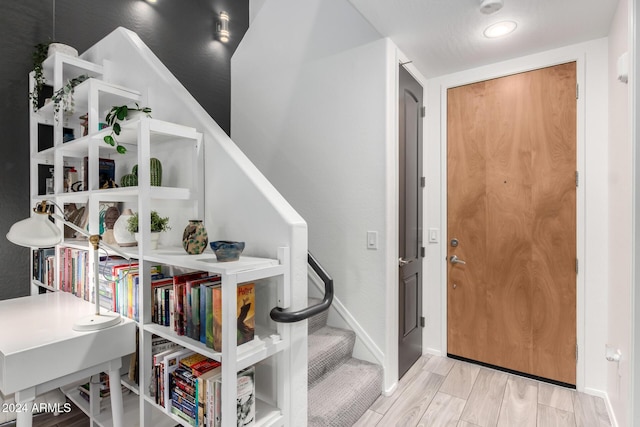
(328, 348)
(342, 396)
(319, 320)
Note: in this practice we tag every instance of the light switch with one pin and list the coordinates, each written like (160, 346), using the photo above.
(434, 235)
(372, 240)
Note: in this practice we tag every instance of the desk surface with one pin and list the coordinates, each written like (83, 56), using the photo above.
(38, 344)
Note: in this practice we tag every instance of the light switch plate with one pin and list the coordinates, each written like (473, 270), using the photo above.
(434, 235)
(372, 240)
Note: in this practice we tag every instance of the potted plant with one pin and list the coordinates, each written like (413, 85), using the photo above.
(116, 115)
(64, 95)
(39, 55)
(158, 225)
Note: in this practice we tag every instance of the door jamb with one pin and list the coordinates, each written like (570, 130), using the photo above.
(486, 74)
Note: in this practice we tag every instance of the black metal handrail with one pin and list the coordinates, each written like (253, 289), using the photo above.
(279, 315)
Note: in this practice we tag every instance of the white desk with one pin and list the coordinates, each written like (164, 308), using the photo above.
(39, 350)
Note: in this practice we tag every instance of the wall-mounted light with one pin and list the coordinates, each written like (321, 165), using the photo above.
(152, 1)
(222, 27)
(500, 29)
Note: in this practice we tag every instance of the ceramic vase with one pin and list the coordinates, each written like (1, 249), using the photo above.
(123, 236)
(194, 238)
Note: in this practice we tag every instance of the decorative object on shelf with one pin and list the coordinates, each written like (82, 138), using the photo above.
(155, 170)
(64, 96)
(73, 214)
(39, 55)
(194, 237)
(54, 48)
(129, 180)
(121, 234)
(158, 225)
(84, 124)
(38, 231)
(110, 218)
(103, 208)
(226, 250)
(116, 115)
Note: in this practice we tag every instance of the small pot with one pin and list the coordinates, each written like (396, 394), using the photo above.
(155, 236)
(62, 48)
(226, 250)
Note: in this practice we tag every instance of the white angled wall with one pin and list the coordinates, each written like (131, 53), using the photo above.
(311, 90)
(620, 223)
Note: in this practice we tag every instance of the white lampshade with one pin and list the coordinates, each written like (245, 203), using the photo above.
(36, 231)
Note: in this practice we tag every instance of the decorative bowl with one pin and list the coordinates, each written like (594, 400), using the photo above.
(226, 250)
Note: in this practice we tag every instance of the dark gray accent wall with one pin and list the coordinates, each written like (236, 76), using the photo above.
(179, 32)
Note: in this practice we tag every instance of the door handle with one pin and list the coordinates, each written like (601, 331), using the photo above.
(455, 260)
(402, 262)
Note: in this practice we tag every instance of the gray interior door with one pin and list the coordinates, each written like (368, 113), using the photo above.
(410, 215)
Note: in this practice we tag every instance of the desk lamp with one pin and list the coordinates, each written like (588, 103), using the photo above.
(39, 232)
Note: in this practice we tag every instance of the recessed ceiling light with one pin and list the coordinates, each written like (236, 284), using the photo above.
(500, 29)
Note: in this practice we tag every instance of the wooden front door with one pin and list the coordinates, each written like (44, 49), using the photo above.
(511, 202)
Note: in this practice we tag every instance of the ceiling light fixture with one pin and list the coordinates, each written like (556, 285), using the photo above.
(500, 29)
(490, 6)
(223, 27)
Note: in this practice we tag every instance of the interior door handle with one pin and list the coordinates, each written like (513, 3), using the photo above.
(455, 260)
(402, 262)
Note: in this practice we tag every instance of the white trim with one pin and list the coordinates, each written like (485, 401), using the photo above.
(634, 88)
(388, 392)
(520, 65)
(604, 396)
(350, 320)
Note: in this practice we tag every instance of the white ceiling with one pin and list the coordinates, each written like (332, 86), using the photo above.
(445, 36)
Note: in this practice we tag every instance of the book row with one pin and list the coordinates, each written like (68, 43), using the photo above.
(44, 266)
(189, 385)
(192, 305)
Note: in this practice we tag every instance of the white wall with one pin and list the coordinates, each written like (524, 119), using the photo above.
(592, 211)
(620, 223)
(312, 89)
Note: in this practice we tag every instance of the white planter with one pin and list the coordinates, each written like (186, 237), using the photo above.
(62, 48)
(155, 236)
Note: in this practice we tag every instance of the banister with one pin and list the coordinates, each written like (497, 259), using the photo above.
(279, 315)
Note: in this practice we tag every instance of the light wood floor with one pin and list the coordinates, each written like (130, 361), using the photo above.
(438, 391)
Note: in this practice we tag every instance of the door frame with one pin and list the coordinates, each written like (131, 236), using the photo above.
(491, 72)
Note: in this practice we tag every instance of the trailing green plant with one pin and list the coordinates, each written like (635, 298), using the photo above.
(157, 223)
(39, 55)
(113, 119)
(64, 96)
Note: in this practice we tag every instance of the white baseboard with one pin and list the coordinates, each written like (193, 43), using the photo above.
(432, 351)
(607, 403)
(388, 392)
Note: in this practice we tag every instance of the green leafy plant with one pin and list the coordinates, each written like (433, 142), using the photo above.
(157, 223)
(39, 55)
(64, 96)
(113, 119)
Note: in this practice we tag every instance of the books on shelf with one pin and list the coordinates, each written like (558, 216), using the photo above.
(180, 300)
(245, 402)
(246, 301)
(189, 385)
(44, 266)
(73, 273)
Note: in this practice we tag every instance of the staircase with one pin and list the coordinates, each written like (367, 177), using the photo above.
(341, 388)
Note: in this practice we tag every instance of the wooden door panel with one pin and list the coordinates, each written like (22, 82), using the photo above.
(511, 205)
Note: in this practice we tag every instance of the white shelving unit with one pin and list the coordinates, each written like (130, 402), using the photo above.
(181, 197)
